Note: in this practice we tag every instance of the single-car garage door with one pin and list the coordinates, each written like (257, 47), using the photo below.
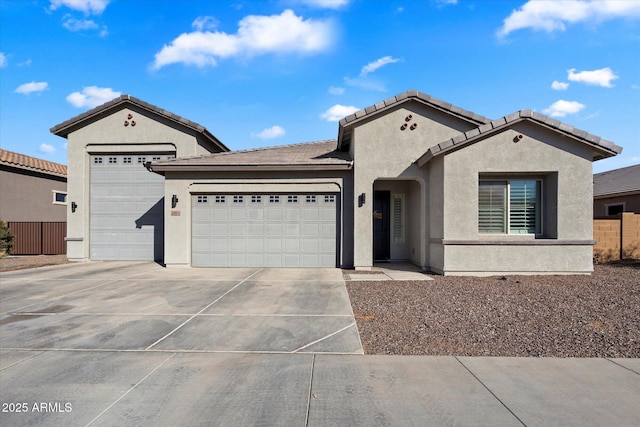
(126, 219)
(264, 230)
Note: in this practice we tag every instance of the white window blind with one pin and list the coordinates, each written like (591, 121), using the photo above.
(398, 218)
(524, 207)
(509, 205)
(492, 204)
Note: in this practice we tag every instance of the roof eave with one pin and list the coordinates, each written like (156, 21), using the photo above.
(404, 97)
(247, 168)
(65, 128)
(27, 168)
(602, 148)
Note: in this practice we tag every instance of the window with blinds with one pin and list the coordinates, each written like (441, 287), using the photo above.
(398, 218)
(512, 205)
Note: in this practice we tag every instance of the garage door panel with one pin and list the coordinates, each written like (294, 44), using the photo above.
(273, 245)
(253, 230)
(126, 210)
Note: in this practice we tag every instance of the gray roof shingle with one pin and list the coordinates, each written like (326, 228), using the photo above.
(415, 95)
(606, 148)
(310, 155)
(64, 128)
(617, 181)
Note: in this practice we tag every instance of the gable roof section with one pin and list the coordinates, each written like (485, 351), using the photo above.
(617, 182)
(410, 95)
(601, 147)
(21, 161)
(320, 155)
(65, 128)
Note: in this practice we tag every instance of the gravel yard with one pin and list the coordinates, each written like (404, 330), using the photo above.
(559, 316)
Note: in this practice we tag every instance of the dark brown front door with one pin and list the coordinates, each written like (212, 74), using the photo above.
(381, 225)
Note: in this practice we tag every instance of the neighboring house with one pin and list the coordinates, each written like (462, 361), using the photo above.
(33, 192)
(411, 178)
(616, 191)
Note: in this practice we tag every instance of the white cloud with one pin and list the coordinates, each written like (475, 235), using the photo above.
(3, 59)
(553, 16)
(92, 96)
(270, 133)
(335, 90)
(373, 66)
(326, 4)
(556, 85)
(75, 25)
(337, 112)
(205, 23)
(46, 148)
(32, 87)
(88, 7)
(284, 33)
(367, 83)
(26, 63)
(601, 77)
(561, 108)
(441, 3)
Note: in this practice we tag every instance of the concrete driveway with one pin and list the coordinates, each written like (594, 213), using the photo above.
(142, 306)
(106, 344)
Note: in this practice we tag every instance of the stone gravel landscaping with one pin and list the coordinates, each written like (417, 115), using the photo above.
(520, 316)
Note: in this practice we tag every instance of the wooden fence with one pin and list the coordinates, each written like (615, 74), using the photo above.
(38, 238)
(617, 237)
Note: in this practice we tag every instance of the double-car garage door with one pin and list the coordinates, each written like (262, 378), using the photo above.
(264, 230)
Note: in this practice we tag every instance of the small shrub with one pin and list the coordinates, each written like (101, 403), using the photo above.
(6, 239)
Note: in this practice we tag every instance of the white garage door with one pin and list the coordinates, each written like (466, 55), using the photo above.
(126, 220)
(264, 230)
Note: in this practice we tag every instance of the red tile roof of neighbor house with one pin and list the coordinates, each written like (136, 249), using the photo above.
(22, 161)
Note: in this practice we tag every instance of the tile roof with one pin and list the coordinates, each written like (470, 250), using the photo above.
(22, 161)
(64, 128)
(410, 95)
(623, 180)
(309, 155)
(605, 148)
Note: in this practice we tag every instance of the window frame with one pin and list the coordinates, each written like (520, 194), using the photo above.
(623, 205)
(55, 193)
(507, 180)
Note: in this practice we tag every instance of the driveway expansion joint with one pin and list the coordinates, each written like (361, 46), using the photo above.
(489, 390)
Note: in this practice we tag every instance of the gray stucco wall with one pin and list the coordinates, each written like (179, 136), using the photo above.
(27, 196)
(563, 164)
(151, 134)
(383, 150)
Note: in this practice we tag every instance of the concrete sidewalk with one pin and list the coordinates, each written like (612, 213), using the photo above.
(155, 388)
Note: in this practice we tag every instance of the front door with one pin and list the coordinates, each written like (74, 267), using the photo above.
(381, 225)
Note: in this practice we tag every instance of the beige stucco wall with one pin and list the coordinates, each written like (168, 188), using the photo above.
(27, 196)
(151, 134)
(382, 150)
(177, 227)
(565, 167)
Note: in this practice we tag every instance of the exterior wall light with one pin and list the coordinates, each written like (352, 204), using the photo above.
(362, 198)
(74, 206)
(174, 201)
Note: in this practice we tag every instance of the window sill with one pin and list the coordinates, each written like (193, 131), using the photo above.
(519, 242)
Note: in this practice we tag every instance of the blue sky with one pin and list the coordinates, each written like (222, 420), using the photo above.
(264, 73)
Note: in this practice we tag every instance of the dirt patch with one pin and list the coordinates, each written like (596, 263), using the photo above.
(559, 316)
(32, 261)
